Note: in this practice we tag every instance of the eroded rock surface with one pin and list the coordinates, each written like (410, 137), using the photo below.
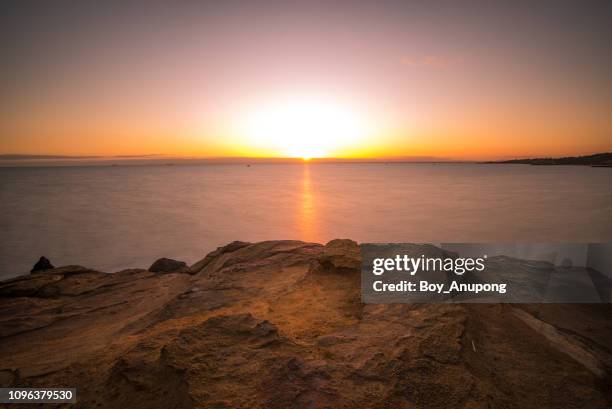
(341, 255)
(280, 324)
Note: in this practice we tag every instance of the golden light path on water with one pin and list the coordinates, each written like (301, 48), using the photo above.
(307, 212)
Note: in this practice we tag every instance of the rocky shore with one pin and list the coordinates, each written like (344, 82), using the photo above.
(280, 324)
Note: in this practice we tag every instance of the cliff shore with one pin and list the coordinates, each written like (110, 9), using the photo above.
(280, 324)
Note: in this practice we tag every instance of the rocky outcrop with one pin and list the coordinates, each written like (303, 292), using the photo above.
(42, 264)
(233, 246)
(167, 265)
(341, 255)
(280, 324)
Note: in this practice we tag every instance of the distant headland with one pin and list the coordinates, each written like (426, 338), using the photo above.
(595, 160)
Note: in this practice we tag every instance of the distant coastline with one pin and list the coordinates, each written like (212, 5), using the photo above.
(595, 160)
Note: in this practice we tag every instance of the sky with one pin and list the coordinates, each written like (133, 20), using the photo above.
(448, 79)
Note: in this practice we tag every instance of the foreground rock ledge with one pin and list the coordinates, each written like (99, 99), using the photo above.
(279, 324)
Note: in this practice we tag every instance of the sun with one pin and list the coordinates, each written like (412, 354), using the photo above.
(304, 128)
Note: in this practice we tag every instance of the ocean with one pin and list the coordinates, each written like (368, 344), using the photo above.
(116, 217)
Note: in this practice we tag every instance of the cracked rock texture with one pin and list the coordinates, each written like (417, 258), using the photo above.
(280, 324)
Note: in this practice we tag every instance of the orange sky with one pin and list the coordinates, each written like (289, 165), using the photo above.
(273, 79)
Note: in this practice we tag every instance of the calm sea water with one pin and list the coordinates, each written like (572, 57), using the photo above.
(111, 218)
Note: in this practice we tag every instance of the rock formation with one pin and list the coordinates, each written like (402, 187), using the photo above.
(167, 265)
(280, 324)
(42, 264)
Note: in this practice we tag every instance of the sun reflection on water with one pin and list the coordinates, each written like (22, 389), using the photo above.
(307, 213)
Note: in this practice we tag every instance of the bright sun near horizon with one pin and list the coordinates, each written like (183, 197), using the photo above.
(304, 127)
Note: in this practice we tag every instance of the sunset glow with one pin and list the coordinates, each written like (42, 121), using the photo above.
(313, 79)
(304, 128)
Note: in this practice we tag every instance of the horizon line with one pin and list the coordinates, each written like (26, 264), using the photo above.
(17, 157)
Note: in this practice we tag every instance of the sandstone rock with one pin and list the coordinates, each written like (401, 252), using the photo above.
(42, 264)
(233, 246)
(45, 283)
(341, 255)
(71, 270)
(258, 327)
(27, 286)
(167, 265)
